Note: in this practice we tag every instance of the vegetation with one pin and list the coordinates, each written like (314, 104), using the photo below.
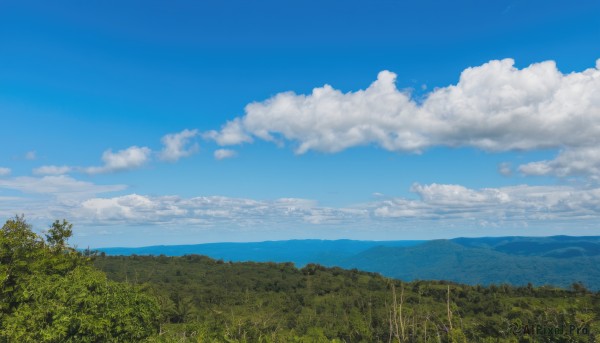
(556, 261)
(49, 292)
(216, 301)
(462, 261)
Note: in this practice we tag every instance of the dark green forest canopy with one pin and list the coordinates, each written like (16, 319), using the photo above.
(277, 302)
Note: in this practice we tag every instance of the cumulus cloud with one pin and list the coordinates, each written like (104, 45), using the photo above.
(493, 107)
(4, 171)
(175, 147)
(221, 154)
(178, 145)
(233, 132)
(571, 161)
(506, 204)
(130, 158)
(52, 170)
(435, 204)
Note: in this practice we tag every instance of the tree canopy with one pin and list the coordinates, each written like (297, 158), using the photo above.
(49, 292)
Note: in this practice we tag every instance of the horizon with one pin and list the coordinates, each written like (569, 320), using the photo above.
(217, 122)
(327, 240)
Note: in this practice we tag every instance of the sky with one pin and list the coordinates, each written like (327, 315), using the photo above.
(182, 122)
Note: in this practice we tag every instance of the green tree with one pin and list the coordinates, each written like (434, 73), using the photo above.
(58, 234)
(82, 306)
(51, 293)
(21, 253)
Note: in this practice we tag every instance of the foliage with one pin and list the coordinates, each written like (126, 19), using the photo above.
(210, 300)
(51, 293)
(487, 264)
(557, 260)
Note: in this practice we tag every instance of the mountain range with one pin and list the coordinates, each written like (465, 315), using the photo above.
(556, 260)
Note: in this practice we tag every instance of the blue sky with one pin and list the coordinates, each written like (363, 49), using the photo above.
(147, 122)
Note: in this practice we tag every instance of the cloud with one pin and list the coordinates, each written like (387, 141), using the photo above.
(221, 154)
(436, 206)
(177, 145)
(232, 133)
(493, 107)
(130, 158)
(503, 205)
(47, 198)
(61, 186)
(4, 171)
(433, 205)
(505, 169)
(209, 210)
(30, 155)
(572, 161)
(457, 195)
(52, 170)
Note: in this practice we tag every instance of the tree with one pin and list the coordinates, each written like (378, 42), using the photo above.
(21, 252)
(82, 306)
(58, 234)
(50, 293)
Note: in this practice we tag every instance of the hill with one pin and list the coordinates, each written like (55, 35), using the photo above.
(554, 246)
(474, 263)
(300, 252)
(556, 260)
(206, 300)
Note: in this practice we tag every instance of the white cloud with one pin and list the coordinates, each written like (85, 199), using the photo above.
(45, 199)
(52, 170)
(221, 154)
(434, 206)
(232, 133)
(503, 205)
(61, 186)
(572, 161)
(536, 168)
(456, 195)
(4, 171)
(493, 107)
(130, 158)
(177, 145)
(437, 205)
(210, 210)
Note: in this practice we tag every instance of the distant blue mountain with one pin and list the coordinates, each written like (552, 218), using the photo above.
(300, 252)
(554, 246)
(557, 260)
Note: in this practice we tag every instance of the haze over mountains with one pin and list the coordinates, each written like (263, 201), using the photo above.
(558, 260)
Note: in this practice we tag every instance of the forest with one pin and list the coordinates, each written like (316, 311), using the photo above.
(51, 292)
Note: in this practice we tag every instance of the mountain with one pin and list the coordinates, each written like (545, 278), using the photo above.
(513, 260)
(554, 246)
(300, 252)
(556, 260)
